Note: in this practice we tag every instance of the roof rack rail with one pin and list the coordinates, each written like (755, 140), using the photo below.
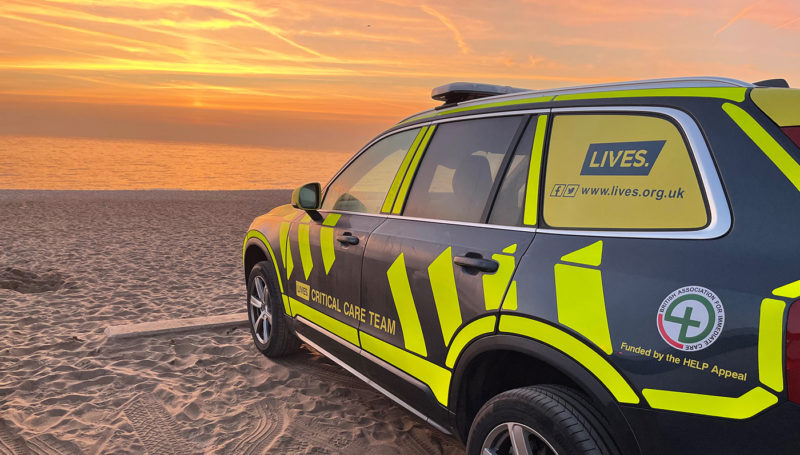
(469, 92)
(772, 83)
(456, 92)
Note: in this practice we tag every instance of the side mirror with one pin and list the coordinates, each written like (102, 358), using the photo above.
(307, 197)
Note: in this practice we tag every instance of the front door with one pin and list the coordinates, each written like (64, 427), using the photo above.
(327, 247)
(325, 282)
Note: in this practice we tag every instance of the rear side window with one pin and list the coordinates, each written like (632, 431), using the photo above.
(363, 185)
(459, 167)
(627, 172)
(509, 204)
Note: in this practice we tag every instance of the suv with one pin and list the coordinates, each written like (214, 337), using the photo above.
(601, 269)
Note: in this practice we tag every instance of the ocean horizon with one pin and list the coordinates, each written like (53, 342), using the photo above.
(56, 163)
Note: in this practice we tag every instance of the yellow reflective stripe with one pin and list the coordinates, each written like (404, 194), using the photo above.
(729, 93)
(510, 301)
(398, 178)
(412, 169)
(743, 407)
(574, 348)
(286, 250)
(770, 344)
(534, 167)
(434, 376)
(406, 310)
(305, 248)
(787, 165)
(495, 284)
(780, 104)
(331, 219)
(581, 305)
(445, 295)
(590, 255)
(326, 240)
(470, 331)
(286, 305)
(335, 326)
(790, 291)
(258, 235)
(538, 99)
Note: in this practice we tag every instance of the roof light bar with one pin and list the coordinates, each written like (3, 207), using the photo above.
(457, 92)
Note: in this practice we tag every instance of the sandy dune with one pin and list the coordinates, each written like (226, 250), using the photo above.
(72, 263)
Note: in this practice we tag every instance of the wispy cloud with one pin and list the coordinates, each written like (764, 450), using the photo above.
(742, 13)
(450, 25)
(274, 31)
(789, 22)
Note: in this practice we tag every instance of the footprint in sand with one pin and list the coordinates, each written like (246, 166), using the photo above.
(27, 282)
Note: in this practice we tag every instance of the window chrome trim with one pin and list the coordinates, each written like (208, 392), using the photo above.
(368, 381)
(434, 220)
(492, 114)
(718, 206)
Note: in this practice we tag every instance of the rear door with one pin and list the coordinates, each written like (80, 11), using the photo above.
(324, 280)
(435, 277)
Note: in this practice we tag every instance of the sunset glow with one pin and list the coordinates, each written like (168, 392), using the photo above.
(260, 72)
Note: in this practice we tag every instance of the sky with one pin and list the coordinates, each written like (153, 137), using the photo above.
(329, 75)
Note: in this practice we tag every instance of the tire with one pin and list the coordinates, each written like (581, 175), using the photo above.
(270, 329)
(541, 420)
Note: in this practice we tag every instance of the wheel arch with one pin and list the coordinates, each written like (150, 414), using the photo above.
(254, 252)
(548, 364)
(257, 248)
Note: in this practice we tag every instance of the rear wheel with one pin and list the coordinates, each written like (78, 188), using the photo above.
(268, 326)
(539, 420)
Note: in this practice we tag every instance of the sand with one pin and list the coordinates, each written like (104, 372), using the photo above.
(74, 262)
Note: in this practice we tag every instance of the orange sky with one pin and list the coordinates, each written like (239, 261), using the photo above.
(331, 74)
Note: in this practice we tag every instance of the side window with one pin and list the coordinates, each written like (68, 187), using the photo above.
(510, 201)
(607, 171)
(459, 167)
(362, 187)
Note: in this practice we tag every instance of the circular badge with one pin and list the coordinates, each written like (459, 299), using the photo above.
(691, 318)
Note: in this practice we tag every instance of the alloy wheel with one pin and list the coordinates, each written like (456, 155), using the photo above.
(513, 438)
(260, 312)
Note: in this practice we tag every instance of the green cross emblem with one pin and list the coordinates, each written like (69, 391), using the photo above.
(686, 320)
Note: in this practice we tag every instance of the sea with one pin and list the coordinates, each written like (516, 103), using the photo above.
(46, 163)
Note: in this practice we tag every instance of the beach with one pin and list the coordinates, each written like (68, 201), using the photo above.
(75, 262)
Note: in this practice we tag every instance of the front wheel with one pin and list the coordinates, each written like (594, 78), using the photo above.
(269, 328)
(538, 420)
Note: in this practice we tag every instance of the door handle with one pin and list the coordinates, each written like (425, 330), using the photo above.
(347, 238)
(484, 265)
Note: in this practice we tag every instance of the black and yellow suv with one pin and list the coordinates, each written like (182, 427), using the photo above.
(608, 269)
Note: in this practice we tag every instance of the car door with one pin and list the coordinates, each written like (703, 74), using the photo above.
(327, 247)
(435, 277)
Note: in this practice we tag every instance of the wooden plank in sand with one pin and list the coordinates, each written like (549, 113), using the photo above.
(176, 325)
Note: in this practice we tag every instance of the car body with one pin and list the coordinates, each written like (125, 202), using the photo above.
(632, 242)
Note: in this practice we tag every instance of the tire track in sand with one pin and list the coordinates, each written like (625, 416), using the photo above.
(158, 432)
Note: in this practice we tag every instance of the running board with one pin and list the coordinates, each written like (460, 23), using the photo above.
(357, 374)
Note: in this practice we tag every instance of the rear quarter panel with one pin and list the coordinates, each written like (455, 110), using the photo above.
(743, 267)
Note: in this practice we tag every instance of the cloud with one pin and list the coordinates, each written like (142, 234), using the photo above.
(450, 25)
(737, 17)
(360, 57)
(274, 31)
